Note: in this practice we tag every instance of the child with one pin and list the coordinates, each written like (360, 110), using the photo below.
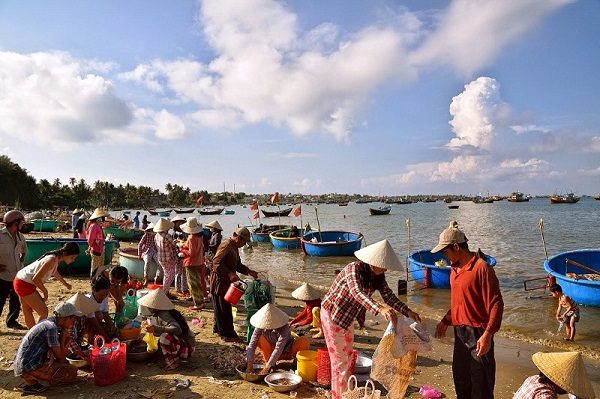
(311, 314)
(99, 321)
(147, 251)
(571, 314)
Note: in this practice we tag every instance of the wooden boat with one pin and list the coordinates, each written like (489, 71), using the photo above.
(447, 200)
(261, 234)
(153, 212)
(452, 206)
(129, 259)
(569, 198)
(281, 239)
(342, 204)
(578, 273)
(331, 243)
(229, 212)
(121, 234)
(39, 246)
(597, 197)
(517, 197)
(482, 200)
(210, 211)
(190, 210)
(423, 268)
(382, 210)
(46, 225)
(282, 212)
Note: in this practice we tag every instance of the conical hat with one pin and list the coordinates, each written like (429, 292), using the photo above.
(178, 219)
(215, 225)
(149, 227)
(565, 369)
(306, 292)
(84, 304)
(381, 254)
(77, 211)
(191, 226)
(156, 299)
(269, 317)
(163, 224)
(99, 213)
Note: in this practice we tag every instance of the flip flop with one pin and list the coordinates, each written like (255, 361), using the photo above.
(196, 307)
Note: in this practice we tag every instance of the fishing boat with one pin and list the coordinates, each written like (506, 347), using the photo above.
(261, 233)
(452, 206)
(153, 212)
(210, 211)
(190, 210)
(447, 200)
(569, 198)
(164, 214)
(229, 212)
(342, 204)
(578, 273)
(281, 239)
(129, 259)
(46, 225)
(433, 270)
(121, 234)
(482, 200)
(39, 246)
(279, 212)
(331, 243)
(382, 210)
(517, 197)
(597, 197)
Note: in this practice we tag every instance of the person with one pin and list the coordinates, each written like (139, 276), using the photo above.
(13, 248)
(214, 241)
(177, 341)
(99, 322)
(311, 314)
(166, 251)
(74, 220)
(125, 223)
(560, 373)
(181, 286)
(348, 299)
(273, 336)
(145, 222)
(136, 220)
(32, 278)
(476, 308)
(42, 352)
(95, 239)
(118, 276)
(193, 261)
(147, 251)
(225, 265)
(571, 314)
(80, 228)
(178, 221)
(294, 232)
(85, 305)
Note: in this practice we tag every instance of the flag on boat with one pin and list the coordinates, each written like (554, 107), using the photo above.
(200, 200)
(275, 198)
(254, 206)
(256, 216)
(298, 211)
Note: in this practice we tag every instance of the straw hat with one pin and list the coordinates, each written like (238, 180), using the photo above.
(77, 211)
(84, 304)
(306, 292)
(191, 226)
(156, 299)
(178, 219)
(215, 225)
(565, 369)
(381, 254)
(99, 213)
(163, 224)
(269, 317)
(149, 227)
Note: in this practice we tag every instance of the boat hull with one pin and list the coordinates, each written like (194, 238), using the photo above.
(586, 292)
(331, 243)
(210, 211)
(379, 211)
(280, 240)
(39, 246)
(129, 259)
(422, 267)
(46, 225)
(271, 214)
(124, 234)
(263, 236)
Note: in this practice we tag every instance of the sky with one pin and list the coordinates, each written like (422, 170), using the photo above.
(373, 97)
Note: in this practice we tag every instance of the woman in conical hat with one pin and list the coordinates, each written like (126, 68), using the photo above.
(166, 250)
(177, 341)
(147, 251)
(349, 298)
(560, 373)
(95, 238)
(311, 314)
(193, 261)
(273, 336)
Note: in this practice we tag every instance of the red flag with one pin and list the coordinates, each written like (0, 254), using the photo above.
(256, 216)
(254, 206)
(200, 200)
(275, 198)
(298, 211)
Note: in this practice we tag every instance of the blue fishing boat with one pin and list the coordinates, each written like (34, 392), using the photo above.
(229, 212)
(283, 239)
(261, 233)
(428, 269)
(578, 274)
(164, 214)
(331, 243)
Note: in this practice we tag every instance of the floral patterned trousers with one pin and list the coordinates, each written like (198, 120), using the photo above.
(339, 343)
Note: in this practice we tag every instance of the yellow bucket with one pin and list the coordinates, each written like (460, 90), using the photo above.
(307, 365)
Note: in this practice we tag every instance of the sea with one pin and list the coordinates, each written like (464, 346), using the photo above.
(508, 231)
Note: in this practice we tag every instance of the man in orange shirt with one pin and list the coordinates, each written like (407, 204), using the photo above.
(476, 308)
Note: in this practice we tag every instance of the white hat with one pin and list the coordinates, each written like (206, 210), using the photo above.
(178, 219)
(156, 299)
(99, 213)
(215, 225)
(269, 317)
(191, 226)
(84, 304)
(306, 292)
(77, 211)
(163, 224)
(149, 227)
(565, 369)
(66, 309)
(381, 254)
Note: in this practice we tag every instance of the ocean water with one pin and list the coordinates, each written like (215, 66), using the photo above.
(508, 231)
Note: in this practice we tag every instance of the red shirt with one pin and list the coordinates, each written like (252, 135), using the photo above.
(475, 298)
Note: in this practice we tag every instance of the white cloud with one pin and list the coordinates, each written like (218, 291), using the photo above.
(590, 172)
(308, 185)
(299, 155)
(169, 126)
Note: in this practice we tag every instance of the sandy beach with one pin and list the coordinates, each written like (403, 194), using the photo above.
(212, 378)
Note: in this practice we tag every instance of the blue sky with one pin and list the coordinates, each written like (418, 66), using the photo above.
(377, 97)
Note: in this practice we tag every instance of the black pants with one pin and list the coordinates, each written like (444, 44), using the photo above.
(14, 305)
(474, 376)
(223, 317)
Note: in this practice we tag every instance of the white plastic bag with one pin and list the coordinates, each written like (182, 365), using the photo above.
(409, 336)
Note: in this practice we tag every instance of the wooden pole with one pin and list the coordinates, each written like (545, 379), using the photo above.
(318, 223)
(541, 224)
(408, 226)
(581, 266)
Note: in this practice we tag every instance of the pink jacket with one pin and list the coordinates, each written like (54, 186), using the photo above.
(95, 238)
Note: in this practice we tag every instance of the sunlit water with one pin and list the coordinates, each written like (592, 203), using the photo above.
(507, 231)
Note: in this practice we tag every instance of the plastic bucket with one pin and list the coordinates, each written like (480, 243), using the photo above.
(307, 365)
(235, 293)
(324, 367)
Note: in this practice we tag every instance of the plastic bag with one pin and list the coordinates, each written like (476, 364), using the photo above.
(408, 336)
(131, 305)
(152, 342)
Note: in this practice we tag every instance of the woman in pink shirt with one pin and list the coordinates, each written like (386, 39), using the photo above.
(193, 261)
(95, 239)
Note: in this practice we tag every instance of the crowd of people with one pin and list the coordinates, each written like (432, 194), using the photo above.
(202, 268)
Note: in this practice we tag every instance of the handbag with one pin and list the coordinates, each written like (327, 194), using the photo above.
(109, 361)
(356, 392)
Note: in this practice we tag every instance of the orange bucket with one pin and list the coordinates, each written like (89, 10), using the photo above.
(234, 293)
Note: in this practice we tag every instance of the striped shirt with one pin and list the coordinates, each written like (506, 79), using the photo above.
(166, 249)
(532, 388)
(147, 244)
(33, 350)
(349, 297)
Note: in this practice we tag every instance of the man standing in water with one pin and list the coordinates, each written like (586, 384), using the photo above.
(476, 308)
